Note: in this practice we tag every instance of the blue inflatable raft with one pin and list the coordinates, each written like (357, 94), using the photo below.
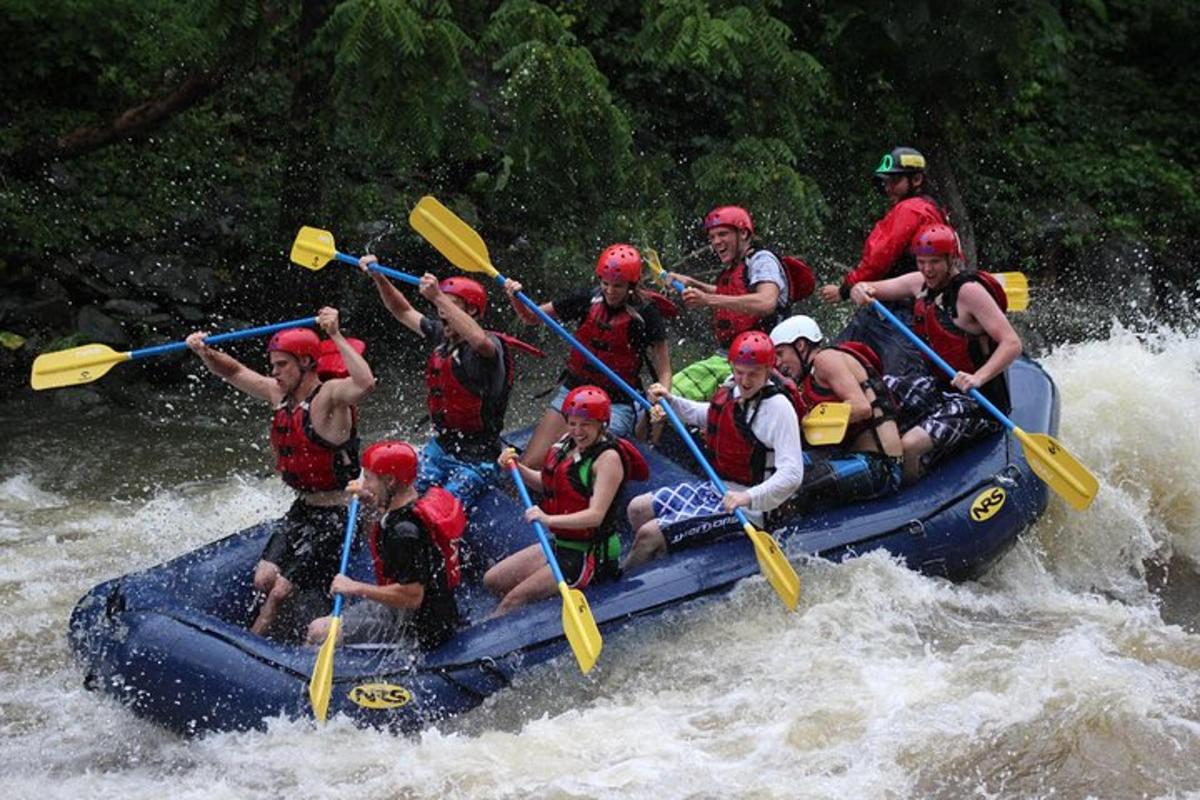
(171, 641)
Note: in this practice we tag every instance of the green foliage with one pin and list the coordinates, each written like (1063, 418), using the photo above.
(564, 125)
(398, 69)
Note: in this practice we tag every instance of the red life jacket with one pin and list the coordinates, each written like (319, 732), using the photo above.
(728, 324)
(813, 393)
(568, 479)
(609, 334)
(441, 517)
(455, 406)
(934, 322)
(737, 454)
(304, 460)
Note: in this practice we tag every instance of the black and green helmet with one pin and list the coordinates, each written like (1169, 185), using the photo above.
(901, 161)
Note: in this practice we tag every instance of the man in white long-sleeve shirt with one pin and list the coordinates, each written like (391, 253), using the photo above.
(753, 438)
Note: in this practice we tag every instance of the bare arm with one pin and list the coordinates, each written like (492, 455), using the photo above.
(833, 369)
(393, 299)
(232, 371)
(909, 285)
(608, 482)
(531, 477)
(394, 595)
(660, 362)
(689, 281)
(457, 319)
(975, 302)
(342, 392)
(512, 287)
(760, 302)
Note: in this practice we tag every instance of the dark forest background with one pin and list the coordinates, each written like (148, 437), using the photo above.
(158, 156)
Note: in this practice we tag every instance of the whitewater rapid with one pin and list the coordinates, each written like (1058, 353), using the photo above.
(1071, 669)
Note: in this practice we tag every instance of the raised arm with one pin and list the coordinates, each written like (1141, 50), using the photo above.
(232, 371)
(393, 299)
(351, 390)
(512, 287)
(457, 319)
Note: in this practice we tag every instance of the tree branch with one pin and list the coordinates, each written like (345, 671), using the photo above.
(129, 123)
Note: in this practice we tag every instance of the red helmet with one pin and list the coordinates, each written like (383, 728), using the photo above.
(467, 290)
(937, 240)
(298, 342)
(752, 348)
(392, 458)
(731, 216)
(588, 401)
(620, 263)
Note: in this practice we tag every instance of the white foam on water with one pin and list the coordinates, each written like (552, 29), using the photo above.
(1052, 676)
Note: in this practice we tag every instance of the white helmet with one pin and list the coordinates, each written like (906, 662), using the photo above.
(797, 327)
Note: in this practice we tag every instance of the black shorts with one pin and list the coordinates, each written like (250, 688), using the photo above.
(581, 567)
(306, 544)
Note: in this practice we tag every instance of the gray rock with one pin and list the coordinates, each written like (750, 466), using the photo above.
(77, 398)
(190, 314)
(133, 309)
(169, 277)
(53, 313)
(99, 327)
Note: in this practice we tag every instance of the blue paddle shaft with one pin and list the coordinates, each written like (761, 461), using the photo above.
(543, 536)
(381, 269)
(247, 333)
(633, 394)
(941, 362)
(351, 521)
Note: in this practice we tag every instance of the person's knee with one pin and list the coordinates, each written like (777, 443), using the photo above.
(264, 576)
(640, 511)
(648, 543)
(318, 629)
(493, 580)
(281, 587)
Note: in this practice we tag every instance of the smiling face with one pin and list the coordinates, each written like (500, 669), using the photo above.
(789, 359)
(935, 269)
(615, 292)
(584, 431)
(728, 243)
(750, 379)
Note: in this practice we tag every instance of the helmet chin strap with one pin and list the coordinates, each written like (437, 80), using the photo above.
(805, 363)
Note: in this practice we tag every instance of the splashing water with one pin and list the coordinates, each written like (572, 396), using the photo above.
(1072, 669)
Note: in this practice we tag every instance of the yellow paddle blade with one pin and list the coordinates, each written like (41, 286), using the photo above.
(1016, 288)
(826, 424)
(313, 248)
(75, 366)
(1051, 462)
(656, 267)
(320, 687)
(453, 238)
(775, 566)
(580, 627)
